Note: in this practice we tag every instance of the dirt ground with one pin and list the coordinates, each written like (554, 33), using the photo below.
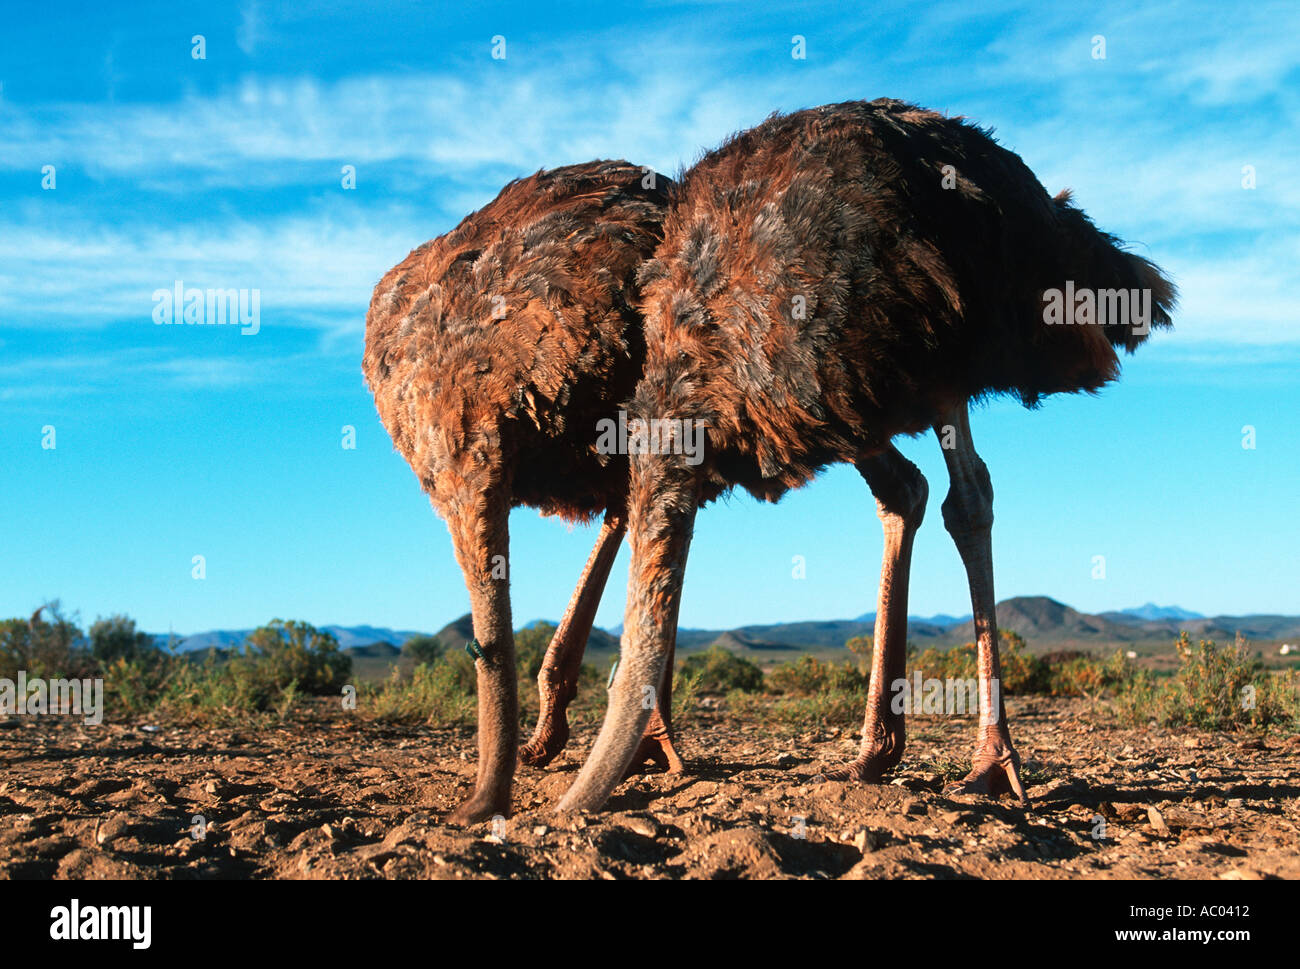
(334, 796)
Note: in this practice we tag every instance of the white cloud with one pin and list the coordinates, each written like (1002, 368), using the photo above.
(251, 27)
(1131, 135)
(312, 269)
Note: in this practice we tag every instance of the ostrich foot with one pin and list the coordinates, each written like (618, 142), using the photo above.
(874, 761)
(546, 743)
(479, 807)
(996, 769)
(656, 749)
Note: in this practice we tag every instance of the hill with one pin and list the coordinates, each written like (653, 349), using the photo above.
(1046, 624)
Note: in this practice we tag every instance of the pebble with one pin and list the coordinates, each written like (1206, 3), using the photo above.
(867, 840)
(1157, 821)
(646, 827)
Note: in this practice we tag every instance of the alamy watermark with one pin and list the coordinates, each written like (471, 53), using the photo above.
(36, 696)
(1103, 307)
(218, 307)
(75, 922)
(660, 435)
(951, 695)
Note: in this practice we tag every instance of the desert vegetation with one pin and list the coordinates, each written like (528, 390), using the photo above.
(281, 664)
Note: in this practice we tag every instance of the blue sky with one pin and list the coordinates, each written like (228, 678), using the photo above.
(225, 172)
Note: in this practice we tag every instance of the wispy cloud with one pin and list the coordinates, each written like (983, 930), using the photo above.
(435, 145)
(251, 27)
(313, 269)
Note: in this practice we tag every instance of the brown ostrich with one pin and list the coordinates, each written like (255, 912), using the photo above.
(492, 352)
(831, 279)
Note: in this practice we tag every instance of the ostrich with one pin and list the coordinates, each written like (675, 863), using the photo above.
(831, 279)
(492, 353)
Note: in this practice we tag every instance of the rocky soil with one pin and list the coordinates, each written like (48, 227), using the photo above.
(334, 796)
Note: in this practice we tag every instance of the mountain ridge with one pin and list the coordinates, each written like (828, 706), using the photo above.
(1043, 621)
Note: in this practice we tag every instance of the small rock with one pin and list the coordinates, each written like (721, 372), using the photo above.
(1242, 874)
(645, 826)
(540, 830)
(1157, 821)
(1236, 802)
(868, 840)
(110, 830)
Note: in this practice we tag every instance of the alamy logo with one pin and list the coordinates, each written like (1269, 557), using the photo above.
(1103, 307)
(662, 435)
(102, 923)
(952, 695)
(218, 307)
(34, 696)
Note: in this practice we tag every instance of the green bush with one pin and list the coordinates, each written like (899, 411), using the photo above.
(423, 648)
(1216, 688)
(1021, 672)
(808, 676)
(530, 649)
(863, 647)
(719, 671)
(1088, 677)
(460, 670)
(188, 687)
(117, 638)
(283, 653)
(821, 709)
(434, 694)
(46, 645)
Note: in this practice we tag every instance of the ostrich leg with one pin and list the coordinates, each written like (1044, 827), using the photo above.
(968, 516)
(482, 541)
(657, 742)
(558, 680)
(661, 511)
(901, 492)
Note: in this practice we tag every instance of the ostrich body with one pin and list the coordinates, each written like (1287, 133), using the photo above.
(828, 280)
(493, 352)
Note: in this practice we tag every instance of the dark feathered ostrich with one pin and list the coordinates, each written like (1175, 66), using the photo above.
(831, 279)
(492, 353)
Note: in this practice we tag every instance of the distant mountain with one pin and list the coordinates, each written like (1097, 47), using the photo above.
(349, 637)
(942, 620)
(1151, 612)
(355, 637)
(1044, 622)
(602, 642)
(1039, 619)
(375, 650)
(218, 638)
(456, 633)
